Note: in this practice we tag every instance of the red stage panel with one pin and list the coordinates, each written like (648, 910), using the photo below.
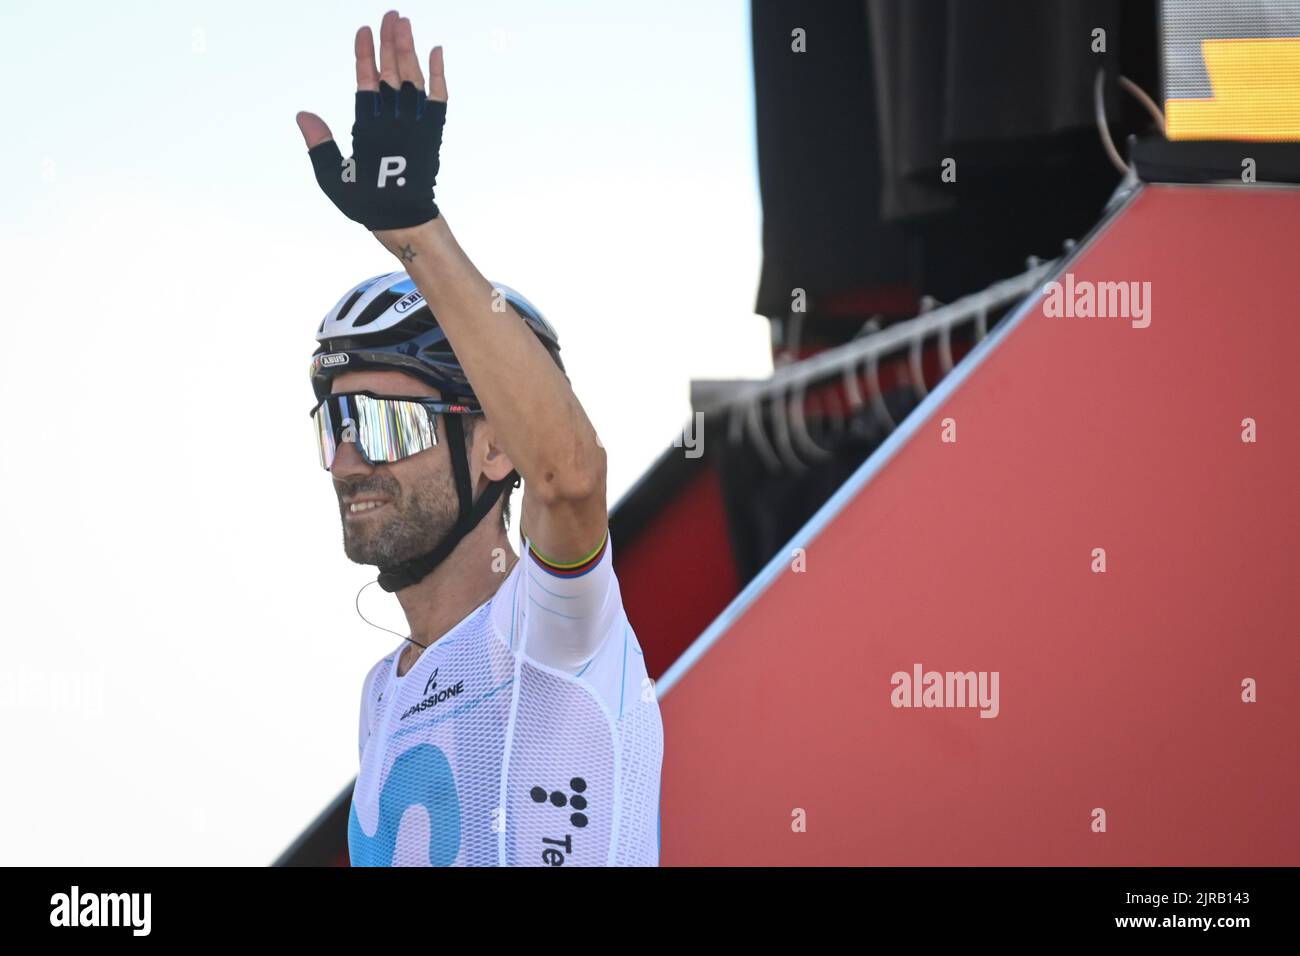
(1119, 691)
(683, 553)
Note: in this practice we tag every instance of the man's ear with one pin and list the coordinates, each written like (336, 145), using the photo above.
(496, 464)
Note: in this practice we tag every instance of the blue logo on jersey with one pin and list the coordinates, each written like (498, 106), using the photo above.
(421, 775)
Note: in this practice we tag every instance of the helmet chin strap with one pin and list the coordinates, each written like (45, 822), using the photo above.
(412, 571)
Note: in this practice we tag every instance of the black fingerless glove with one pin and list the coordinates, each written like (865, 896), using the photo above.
(387, 182)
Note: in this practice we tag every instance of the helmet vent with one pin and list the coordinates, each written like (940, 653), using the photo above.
(352, 300)
(374, 310)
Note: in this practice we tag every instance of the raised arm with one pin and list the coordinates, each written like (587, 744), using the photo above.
(387, 185)
(534, 413)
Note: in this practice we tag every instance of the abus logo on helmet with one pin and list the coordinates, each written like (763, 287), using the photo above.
(336, 358)
(408, 302)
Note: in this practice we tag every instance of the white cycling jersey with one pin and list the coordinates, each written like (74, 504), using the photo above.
(528, 735)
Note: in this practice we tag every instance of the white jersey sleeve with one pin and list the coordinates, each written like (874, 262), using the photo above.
(560, 615)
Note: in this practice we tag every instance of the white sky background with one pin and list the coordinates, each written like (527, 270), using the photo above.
(182, 663)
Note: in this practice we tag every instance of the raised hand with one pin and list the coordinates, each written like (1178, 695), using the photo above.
(387, 182)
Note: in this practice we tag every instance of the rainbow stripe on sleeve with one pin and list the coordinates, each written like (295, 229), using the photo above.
(570, 569)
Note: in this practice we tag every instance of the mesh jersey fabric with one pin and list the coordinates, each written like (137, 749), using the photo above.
(528, 735)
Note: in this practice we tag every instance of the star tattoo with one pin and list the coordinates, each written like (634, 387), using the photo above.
(407, 253)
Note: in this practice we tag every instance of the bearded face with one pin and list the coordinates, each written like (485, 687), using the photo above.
(397, 510)
(390, 517)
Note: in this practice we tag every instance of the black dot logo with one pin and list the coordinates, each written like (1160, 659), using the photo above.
(558, 798)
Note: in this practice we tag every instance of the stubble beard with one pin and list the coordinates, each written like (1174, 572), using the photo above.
(413, 525)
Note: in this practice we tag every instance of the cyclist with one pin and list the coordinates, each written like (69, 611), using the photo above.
(516, 725)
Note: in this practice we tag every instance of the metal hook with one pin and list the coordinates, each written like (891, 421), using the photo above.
(914, 363)
(781, 431)
(851, 386)
(945, 348)
(877, 398)
(801, 434)
(856, 401)
(837, 419)
(754, 428)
